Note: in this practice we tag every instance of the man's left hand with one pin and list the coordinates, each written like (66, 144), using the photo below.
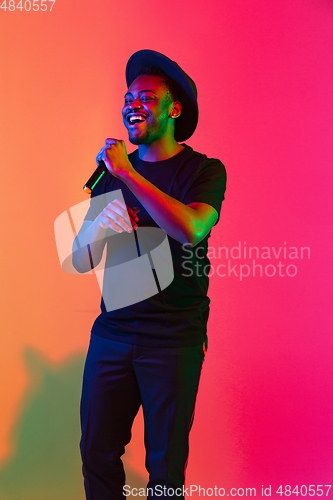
(115, 158)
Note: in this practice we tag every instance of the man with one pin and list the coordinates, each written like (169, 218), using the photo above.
(151, 352)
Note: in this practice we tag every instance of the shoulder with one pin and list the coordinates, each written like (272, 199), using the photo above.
(200, 162)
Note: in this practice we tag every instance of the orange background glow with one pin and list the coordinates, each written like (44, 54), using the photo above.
(264, 75)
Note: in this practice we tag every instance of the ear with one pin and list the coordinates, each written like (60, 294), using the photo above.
(176, 109)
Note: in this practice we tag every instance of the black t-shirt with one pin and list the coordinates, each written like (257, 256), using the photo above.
(176, 316)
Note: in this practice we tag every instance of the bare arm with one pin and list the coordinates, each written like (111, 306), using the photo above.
(90, 238)
(188, 224)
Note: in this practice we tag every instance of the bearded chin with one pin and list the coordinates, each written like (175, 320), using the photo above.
(136, 140)
(140, 139)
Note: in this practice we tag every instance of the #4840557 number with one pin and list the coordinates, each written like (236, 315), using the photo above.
(27, 5)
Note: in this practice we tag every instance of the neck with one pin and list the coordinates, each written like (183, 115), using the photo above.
(159, 150)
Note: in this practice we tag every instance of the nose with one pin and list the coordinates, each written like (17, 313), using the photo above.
(135, 104)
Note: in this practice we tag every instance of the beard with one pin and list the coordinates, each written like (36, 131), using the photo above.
(153, 132)
(144, 138)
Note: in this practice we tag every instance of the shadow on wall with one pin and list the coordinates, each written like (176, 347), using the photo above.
(46, 463)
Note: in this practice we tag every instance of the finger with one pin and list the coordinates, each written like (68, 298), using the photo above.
(119, 202)
(119, 219)
(104, 155)
(124, 207)
(99, 156)
(133, 219)
(120, 208)
(106, 222)
(125, 210)
(134, 224)
(110, 141)
(116, 224)
(132, 212)
(128, 214)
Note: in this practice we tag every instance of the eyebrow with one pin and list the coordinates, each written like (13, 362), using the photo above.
(141, 92)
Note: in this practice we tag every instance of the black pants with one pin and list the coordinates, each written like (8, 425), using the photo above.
(118, 378)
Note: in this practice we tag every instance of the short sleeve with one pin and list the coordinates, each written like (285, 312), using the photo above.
(98, 199)
(208, 185)
(96, 207)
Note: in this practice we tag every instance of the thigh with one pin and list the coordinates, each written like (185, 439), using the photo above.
(110, 396)
(168, 379)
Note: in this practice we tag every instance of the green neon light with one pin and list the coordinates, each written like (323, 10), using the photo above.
(92, 187)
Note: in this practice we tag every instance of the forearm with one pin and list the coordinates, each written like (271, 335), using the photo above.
(88, 248)
(175, 218)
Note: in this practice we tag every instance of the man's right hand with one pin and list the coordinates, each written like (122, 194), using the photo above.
(118, 216)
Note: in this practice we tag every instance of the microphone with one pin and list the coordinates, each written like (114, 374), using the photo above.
(96, 177)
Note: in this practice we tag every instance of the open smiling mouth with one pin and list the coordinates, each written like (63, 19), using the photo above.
(135, 119)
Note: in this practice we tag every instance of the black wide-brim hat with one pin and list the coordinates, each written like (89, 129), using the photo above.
(186, 123)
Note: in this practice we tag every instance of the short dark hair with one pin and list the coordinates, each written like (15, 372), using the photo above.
(169, 84)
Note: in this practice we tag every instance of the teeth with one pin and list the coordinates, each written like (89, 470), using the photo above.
(136, 117)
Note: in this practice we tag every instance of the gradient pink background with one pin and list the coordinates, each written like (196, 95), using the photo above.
(264, 73)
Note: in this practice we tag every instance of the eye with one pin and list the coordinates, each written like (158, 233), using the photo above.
(146, 98)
